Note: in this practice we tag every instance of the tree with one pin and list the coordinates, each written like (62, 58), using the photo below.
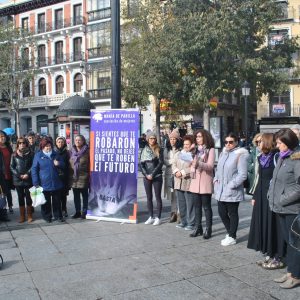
(17, 69)
(190, 51)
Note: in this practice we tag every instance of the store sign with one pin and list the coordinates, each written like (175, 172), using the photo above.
(278, 108)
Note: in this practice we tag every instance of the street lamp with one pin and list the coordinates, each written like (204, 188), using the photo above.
(246, 93)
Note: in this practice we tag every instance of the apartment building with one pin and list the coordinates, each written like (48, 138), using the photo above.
(286, 104)
(71, 56)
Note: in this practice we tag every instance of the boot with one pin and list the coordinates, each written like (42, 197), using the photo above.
(197, 231)
(207, 233)
(178, 218)
(29, 214)
(173, 217)
(22, 214)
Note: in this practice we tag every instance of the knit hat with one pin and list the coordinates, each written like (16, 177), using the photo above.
(60, 138)
(151, 134)
(174, 134)
(296, 126)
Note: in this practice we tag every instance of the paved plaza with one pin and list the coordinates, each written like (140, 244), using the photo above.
(89, 260)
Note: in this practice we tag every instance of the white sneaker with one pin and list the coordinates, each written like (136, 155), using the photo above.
(156, 222)
(149, 221)
(226, 237)
(229, 241)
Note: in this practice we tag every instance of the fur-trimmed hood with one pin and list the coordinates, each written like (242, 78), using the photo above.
(237, 150)
(295, 155)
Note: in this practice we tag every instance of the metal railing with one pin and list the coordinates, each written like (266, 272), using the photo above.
(99, 93)
(99, 14)
(267, 111)
(99, 52)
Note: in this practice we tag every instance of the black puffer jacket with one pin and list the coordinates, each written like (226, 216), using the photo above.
(154, 166)
(21, 165)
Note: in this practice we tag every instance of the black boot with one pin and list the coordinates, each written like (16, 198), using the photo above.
(197, 231)
(207, 233)
(173, 217)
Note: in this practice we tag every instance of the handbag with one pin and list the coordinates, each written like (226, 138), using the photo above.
(37, 196)
(294, 234)
(2, 199)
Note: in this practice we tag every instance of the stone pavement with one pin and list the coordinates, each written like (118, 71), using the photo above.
(89, 260)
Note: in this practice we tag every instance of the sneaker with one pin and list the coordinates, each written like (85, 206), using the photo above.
(149, 221)
(180, 225)
(229, 241)
(226, 237)
(156, 221)
(189, 228)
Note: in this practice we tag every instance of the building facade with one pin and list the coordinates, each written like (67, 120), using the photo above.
(286, 104)
(71, 56)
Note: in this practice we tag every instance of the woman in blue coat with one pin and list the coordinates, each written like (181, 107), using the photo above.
(44, 173)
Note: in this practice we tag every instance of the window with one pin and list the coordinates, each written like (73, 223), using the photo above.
(26, 89)
(98, 9)
(78, 83)
(25, 58)
(59, 57)
(41, 55)
(98, 4)
(99, 40)
(41, 23)
(59, 22)
(42, 87)
(77, 49)
(280, 105)
(133, 7)
(25, 24)
(283, 10)
(277, 37)
(59, 84)
(77, 14)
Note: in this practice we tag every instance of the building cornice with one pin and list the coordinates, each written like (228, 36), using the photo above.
(14, 8)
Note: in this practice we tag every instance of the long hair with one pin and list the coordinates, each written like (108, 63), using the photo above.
(7, 141)
(268, 142)
(288, 137)
(208, 140)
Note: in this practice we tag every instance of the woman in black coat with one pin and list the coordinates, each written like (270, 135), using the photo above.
(62, 150)
(3, 211)
(20, 167)
(265, 234)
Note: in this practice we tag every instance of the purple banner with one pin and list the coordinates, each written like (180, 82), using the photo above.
(114, 165)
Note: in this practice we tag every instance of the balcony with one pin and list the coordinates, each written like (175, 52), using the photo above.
(286, 14)
(45, 101)
(278, 110)
(99, 94)
(100, 14)
(99, 52)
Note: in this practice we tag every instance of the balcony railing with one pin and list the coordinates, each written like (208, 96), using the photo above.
(99, 52)
(99, 94)
(43, 101)
(286, 14)
(99, 14)
(286, 110)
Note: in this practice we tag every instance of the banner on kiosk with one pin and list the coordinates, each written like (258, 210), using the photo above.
(114, 165)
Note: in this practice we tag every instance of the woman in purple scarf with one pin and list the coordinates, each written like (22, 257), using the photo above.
(264, 235)
(80, 173)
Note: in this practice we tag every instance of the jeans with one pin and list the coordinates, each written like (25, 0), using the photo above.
(156, 183)
(229, 215)
(77, 201)
(292, 255)
(8, 193)
(52, 203)
(23, 192)
(202, 200)
(186, 207)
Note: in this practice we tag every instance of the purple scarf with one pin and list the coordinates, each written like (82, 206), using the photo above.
(285, 154)
(265, 159)
(75, 156)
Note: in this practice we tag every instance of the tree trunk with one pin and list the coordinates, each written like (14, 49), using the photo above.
(206, 118)
(157, 119)
(17, 120)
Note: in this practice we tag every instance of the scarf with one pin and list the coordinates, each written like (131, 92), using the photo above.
(48, 154)
(265, 160)
(75, 156)
(147, 154)
(186, 156)
(285, 154)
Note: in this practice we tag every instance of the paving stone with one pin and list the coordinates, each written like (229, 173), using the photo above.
(22, 233)
(13, 263)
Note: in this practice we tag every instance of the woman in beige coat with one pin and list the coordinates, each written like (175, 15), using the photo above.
(202, 180)
(182, 179)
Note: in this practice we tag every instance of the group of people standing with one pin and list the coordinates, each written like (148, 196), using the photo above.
(52, 167)
(272, 168)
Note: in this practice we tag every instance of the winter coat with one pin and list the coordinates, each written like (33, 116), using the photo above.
(284, 191)
(21, 165)
(83, 179)
(230, 175)
(44, 173)
(169, 156)
(184, 167)
(203, 168)
(154, 166)
(64, 175)
(2, 173)
(252, 168)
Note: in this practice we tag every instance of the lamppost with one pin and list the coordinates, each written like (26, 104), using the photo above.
(246, 93)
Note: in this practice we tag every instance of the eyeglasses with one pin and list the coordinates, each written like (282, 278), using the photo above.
(22, 143)
(229, 142)
(152, 138)
(258, 142)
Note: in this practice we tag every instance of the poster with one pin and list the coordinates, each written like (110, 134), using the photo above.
(114, 165)
(216, 130)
